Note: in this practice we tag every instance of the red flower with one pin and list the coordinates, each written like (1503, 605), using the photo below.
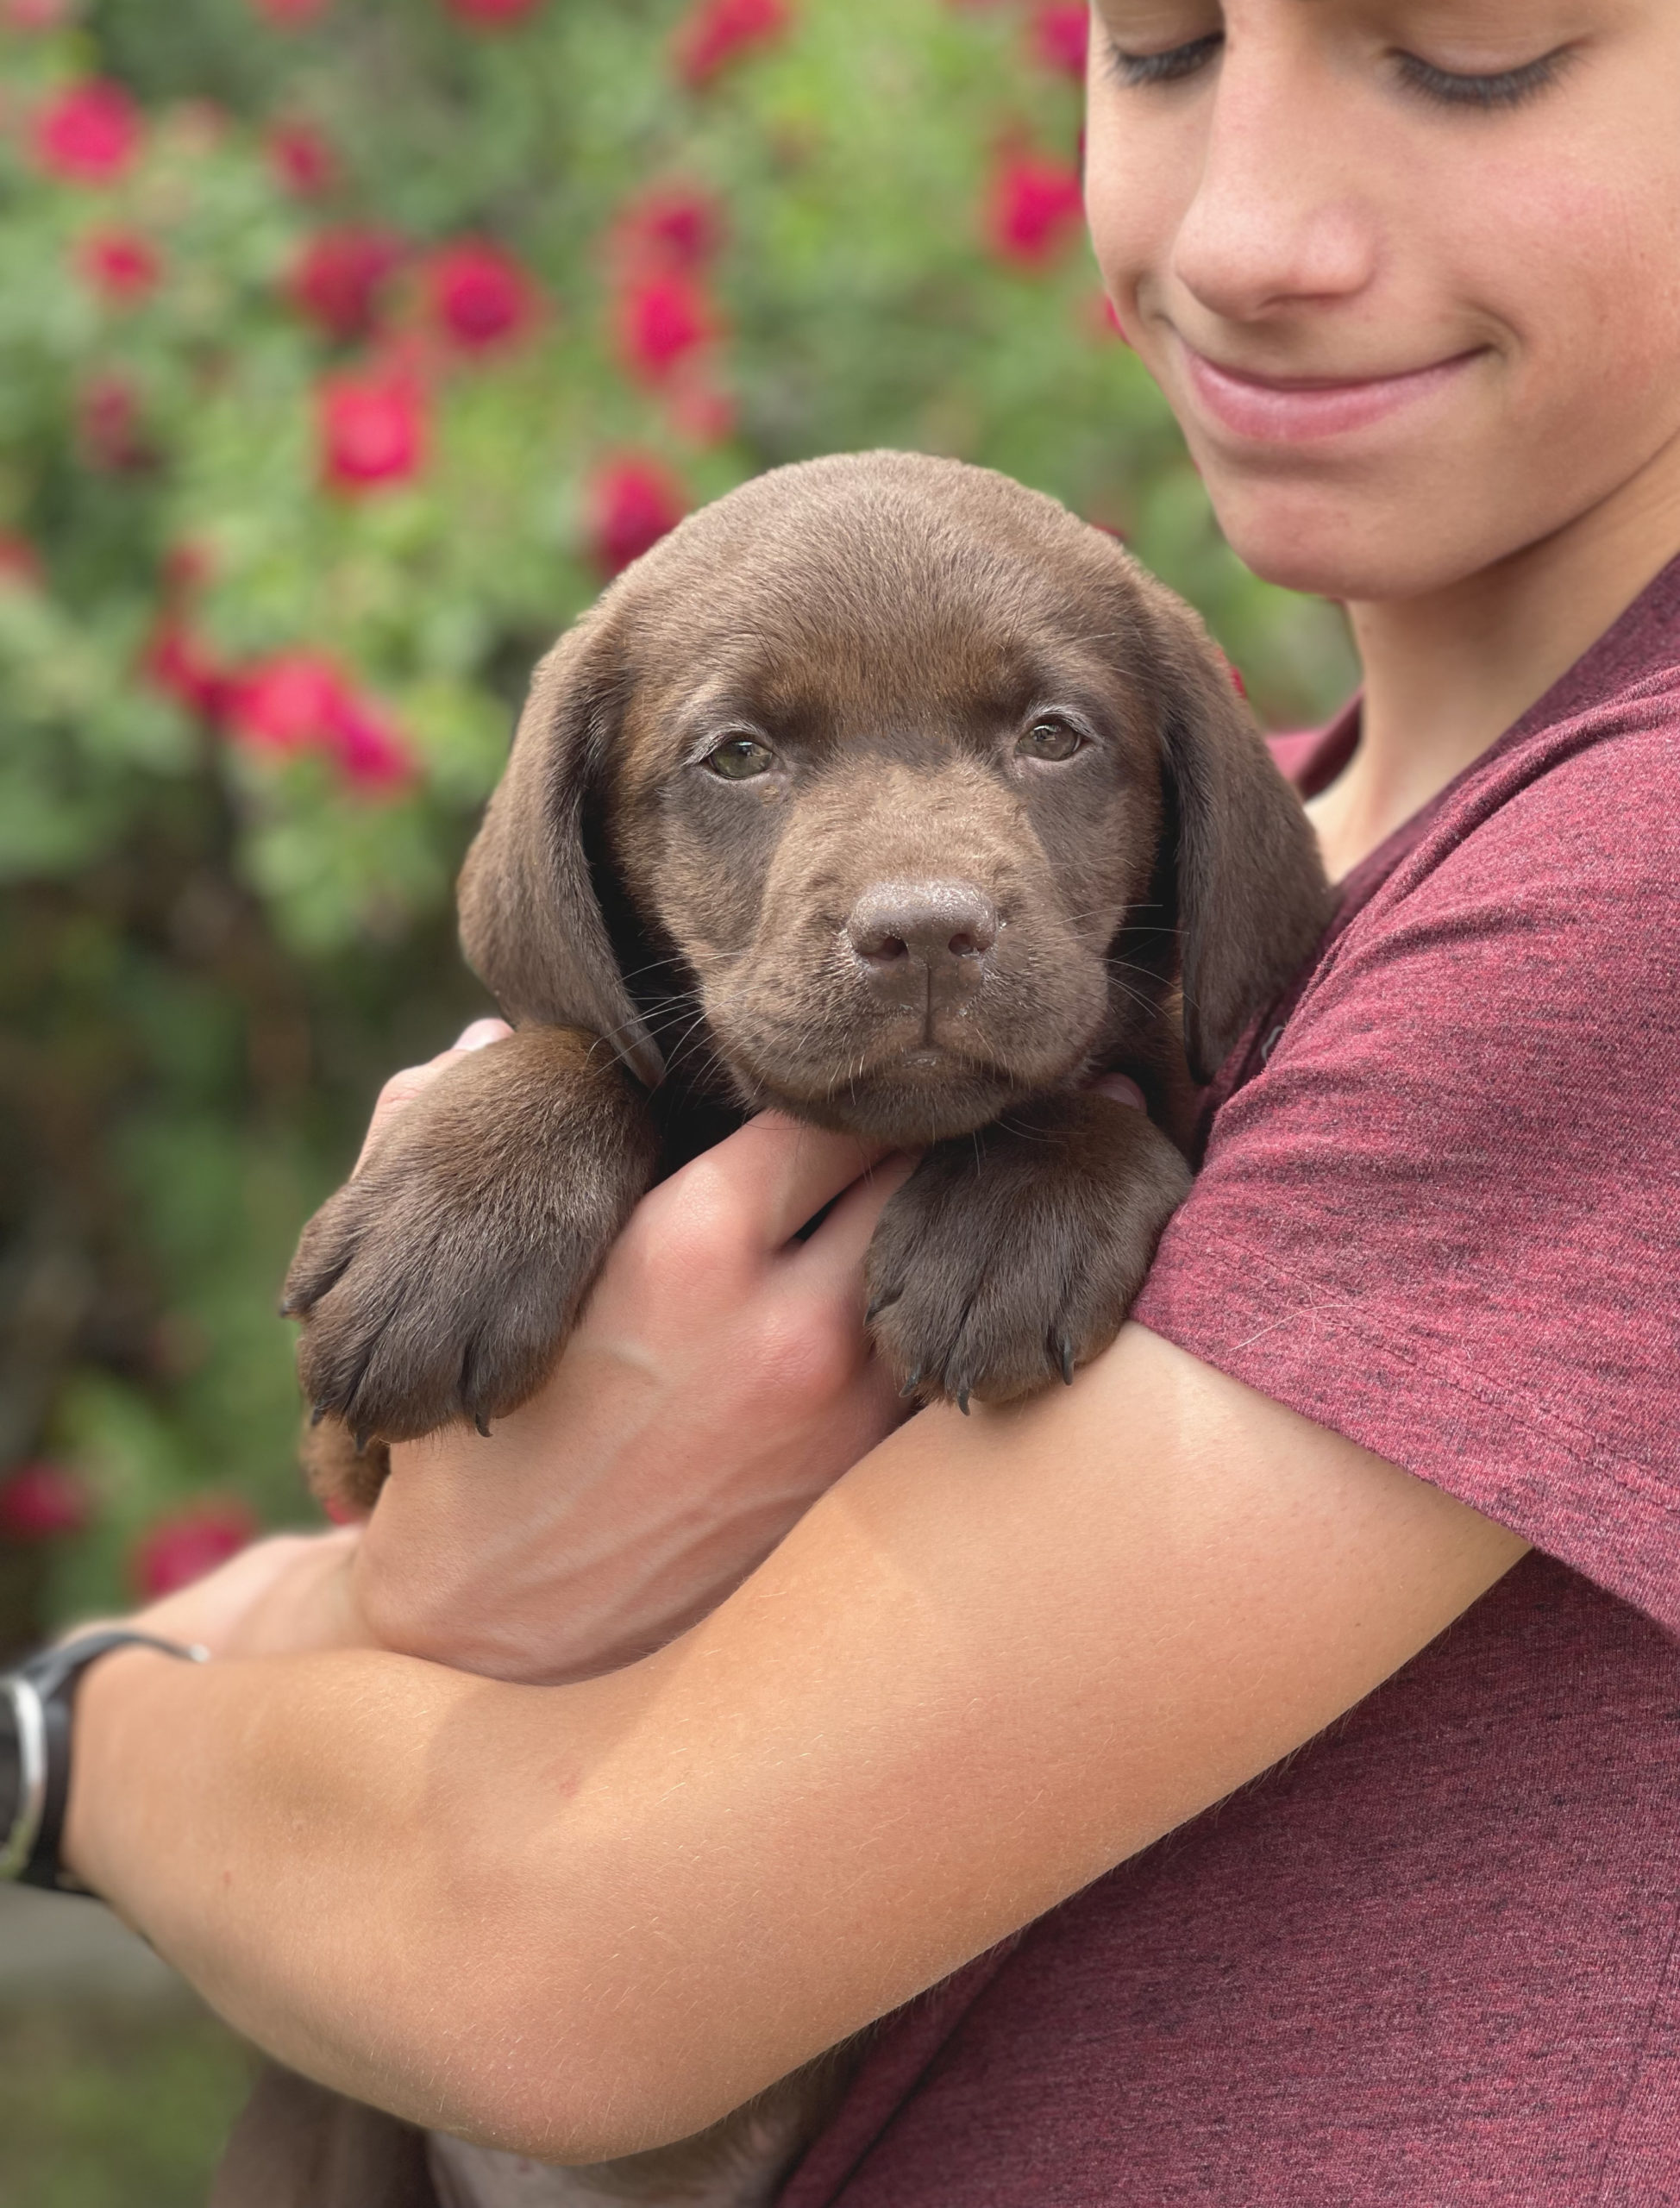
(121, 265)
(303, 162)
(182, 667)
(341, 276)
(291, 15)
(301, 701)
(676, 228)
(715, 33)
(43, 1502)
(1035, 209)
(109, 425)
(479, 296)
(370, 753)
(34, 15)
(372, 429)
(1060, 35)
(287, 704)
(633, 502)
(662, 319)
(19, 564)
(89, 134)
(187, 1544)
(493, 15)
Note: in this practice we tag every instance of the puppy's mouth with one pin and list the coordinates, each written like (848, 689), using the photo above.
(923, 1094)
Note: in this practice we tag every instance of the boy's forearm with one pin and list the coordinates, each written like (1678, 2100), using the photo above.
(312, 1842)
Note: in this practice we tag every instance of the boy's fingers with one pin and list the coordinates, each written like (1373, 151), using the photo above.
(831, 1262)
(402, 1088)
(775, 1173)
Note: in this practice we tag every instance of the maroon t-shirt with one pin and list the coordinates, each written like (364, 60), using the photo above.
(1433, 1958)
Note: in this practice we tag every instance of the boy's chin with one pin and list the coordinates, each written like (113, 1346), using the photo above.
(1332, 543)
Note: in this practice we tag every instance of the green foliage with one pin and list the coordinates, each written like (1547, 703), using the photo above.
(217, 937)
(113, 2107)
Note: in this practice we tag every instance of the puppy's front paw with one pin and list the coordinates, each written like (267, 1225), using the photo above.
(438, 1284)
(1011, 1256)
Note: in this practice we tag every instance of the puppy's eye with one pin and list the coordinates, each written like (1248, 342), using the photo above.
(1052, 740)
(740, 758)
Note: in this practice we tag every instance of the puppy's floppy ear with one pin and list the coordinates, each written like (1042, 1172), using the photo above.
(1253, 902)
(530, 920)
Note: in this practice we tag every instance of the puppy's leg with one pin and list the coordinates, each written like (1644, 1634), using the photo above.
(1011, 1255)
(438, 1284)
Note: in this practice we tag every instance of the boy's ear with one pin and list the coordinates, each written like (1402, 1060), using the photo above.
(531, 923)
(1253, 902)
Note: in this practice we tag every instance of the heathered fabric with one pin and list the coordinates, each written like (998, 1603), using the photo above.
(1433, 1959)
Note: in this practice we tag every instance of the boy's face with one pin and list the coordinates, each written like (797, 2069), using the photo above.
(1408, 271)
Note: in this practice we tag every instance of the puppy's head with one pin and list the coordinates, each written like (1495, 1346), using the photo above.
(906, 785)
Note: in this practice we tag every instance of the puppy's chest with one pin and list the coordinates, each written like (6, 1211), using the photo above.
(746, 2174)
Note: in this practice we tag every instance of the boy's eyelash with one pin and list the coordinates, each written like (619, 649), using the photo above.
(1510, 88)
(1165, 68)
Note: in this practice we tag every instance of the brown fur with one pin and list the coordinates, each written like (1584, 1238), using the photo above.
(678, 950)
(906, 928)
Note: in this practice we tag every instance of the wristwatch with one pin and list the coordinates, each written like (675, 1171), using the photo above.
(37, 1701)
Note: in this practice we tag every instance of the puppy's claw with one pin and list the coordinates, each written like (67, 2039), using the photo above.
(912, 1383)
(1064, 1349)
(884, 1302)
(482, 1424)
(289, 1307)
(318, 1415)
(962, 1399)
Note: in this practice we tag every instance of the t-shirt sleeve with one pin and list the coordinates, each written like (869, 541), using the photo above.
(1444, 1220)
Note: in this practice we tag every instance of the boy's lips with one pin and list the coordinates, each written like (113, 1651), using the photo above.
(1284, 411)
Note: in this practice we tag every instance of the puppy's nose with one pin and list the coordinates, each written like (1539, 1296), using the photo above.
(933, 926)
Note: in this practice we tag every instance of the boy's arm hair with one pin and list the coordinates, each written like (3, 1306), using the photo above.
(1001, 1656)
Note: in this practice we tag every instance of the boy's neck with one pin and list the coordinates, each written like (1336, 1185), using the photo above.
(1446, 675)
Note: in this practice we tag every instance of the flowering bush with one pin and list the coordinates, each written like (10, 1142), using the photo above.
(346, 346)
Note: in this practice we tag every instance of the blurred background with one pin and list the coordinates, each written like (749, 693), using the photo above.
(346, 348)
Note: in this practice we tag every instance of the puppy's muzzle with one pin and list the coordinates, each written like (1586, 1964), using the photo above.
(923, 946)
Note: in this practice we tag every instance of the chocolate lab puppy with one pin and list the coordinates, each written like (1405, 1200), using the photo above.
(885, 792)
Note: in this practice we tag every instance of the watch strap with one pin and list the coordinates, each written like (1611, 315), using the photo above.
(42, 1691)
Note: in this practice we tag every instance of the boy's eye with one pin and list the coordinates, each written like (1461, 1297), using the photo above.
(1507, 87)
(1177, 63)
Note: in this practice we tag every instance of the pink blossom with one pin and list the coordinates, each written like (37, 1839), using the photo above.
(90, 134)
(715, 33)
(121, 265)
(302, 701)
(109, 426)
(372, 429)
(36, 15)
(662, 319)
(675, 227)
(285, 704)
(634, 500)
(184, 1547)
(1060, 33)
(43, 1502)
(369, 751)
(21, 565)
(479, 296)
(1035, 209)
(182, 665)
(291, 15)
(340, 278)
(304, 161)
(493, 15)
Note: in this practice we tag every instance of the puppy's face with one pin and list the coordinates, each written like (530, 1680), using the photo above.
(923, 792)
(894, 835)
